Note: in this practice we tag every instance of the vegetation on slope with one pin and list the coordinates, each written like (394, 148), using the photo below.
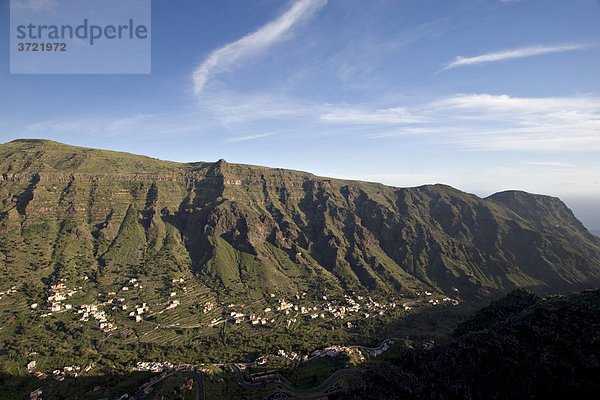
(247, 230)
(126, 230)
(520, 347)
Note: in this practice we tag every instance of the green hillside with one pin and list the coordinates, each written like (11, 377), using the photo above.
(246, 230)
(108, 259)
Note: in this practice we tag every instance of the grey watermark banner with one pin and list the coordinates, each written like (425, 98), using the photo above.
(80, 37)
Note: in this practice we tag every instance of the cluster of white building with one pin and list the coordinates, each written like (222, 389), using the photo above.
(209, 306)
(133, 282)
(369, 308)
(173, 304)
(91, 310)
(289, 322)
(435, 302)
(153, 366)
(58, 294)
(355, 304)
(331, 351)
(58, 375)
(334, 351)
(294, 357)
(139, 311)
(72, 371)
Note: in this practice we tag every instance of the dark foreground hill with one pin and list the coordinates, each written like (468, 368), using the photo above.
(521, 347)
(246, 230)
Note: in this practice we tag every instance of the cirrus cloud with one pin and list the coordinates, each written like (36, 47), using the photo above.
(511, 54)
(487, 122)
(254, 43)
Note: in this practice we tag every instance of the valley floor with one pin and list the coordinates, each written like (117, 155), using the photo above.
(109, 344)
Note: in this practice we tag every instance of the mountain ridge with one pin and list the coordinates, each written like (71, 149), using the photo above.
(247, 230)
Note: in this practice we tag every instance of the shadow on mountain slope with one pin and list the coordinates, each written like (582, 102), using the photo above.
(521, 346)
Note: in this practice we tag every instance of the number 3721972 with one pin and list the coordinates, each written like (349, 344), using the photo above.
(41, 46)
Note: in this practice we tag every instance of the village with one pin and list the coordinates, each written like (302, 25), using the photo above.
(275, 312)
(360, 308)
(165, 369)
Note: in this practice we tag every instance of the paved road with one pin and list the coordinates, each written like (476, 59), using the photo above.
(141, 392)
(377, 348)
(196, 375)
(325, 385)
(317, 389)
(243, 383)
(278, 396)
(199, 384)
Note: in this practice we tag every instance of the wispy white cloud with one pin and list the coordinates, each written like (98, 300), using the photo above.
(250, 137)
(254, 43)
(486, 122)
(500, 122)
(544, 114)
(394, 115)
(546, 132)
(235, 109)
(548, 164)
(466, 121)
(511, 54)
(402, 132)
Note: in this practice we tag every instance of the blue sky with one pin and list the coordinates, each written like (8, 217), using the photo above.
(481, 95)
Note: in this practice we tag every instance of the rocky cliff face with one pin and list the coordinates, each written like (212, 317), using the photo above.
(247, 230)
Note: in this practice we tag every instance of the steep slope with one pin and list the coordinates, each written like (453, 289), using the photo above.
(520, 347)
(247, 231)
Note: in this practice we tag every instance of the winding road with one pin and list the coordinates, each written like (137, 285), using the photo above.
(197, 375)
(199, 384)
(315, 390)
